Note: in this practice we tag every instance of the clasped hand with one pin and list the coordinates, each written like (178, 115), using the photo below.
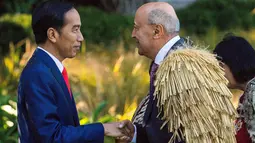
(123, 131)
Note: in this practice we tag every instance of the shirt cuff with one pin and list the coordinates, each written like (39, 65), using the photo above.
(134, 137)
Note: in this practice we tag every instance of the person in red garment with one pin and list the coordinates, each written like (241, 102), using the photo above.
(238, 60)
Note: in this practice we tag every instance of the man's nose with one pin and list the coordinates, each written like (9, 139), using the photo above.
(133, 34)
(80, 37)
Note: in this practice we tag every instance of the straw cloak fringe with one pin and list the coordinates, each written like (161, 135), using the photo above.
(192, 95)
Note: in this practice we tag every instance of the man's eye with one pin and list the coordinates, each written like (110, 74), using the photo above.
(75, 30)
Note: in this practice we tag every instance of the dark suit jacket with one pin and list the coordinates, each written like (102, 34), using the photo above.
(46, 113)
(146, 120)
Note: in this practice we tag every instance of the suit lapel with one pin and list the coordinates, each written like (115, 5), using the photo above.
(75, 113)
(46, 59)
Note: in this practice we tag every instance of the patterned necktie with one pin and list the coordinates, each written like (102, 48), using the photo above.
(65, 76)
(153, 70)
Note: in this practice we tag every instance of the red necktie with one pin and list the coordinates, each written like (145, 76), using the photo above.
(65, 76)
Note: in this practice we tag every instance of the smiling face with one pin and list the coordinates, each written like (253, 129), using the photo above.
(143, 33)
(68, 41)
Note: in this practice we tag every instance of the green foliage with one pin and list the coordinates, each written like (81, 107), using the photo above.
(97, 27)
(8, 122)
(19, 6)
(110, 81)
(213, 36)
(119, 78)
(23, 20)
(10, 69)
(103, 28)
(97, 111)
(14, 28)
(222, 14)
(97, 115)
(10, 32)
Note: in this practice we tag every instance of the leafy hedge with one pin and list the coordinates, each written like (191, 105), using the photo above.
(97, 26)
(222, 14)
(101, 27)
(10, 32)
(13, 28)
(23, 20)
(107, 29)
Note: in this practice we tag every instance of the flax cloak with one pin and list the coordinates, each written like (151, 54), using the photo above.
(193, 98)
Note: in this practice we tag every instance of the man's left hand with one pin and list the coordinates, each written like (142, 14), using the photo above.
(128, 129)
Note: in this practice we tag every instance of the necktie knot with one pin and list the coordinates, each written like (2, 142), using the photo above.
(64, 72)
(153, 69)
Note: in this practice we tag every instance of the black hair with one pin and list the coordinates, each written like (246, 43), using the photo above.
(48, 14)
(238, 54)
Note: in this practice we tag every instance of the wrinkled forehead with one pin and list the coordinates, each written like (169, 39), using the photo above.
(141, 16)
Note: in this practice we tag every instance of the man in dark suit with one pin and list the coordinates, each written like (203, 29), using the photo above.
(46, 107)
(156, 31)
(177, 111)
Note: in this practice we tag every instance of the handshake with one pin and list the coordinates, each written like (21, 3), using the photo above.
(122, 131)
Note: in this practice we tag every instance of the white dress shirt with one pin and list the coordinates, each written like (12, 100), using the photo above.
(165, 49)
(58, 63)
(159, 58)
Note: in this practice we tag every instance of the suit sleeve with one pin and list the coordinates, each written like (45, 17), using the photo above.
(42, 111)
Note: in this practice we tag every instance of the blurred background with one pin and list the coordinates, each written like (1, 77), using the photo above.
(108, 77)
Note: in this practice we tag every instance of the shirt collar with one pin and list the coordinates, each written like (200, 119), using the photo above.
(165, 49)
(58, 63)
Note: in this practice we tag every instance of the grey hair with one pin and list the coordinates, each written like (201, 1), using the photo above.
(170, 23)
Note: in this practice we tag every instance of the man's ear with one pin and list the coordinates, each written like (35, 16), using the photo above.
(158, 31)
(52, 35)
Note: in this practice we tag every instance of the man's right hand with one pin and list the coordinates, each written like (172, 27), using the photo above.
(123, 130)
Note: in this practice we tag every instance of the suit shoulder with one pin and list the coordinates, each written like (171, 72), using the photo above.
(34, 65)
(33, 69)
